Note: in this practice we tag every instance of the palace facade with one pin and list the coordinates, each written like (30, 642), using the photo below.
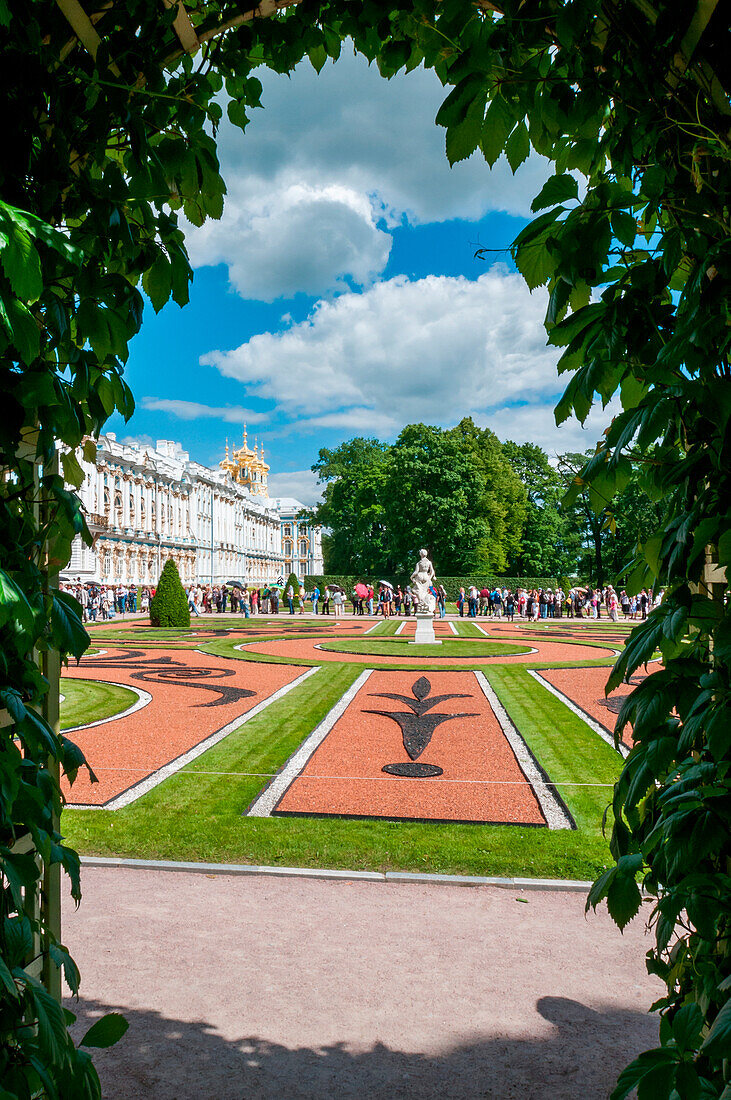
(146, 504)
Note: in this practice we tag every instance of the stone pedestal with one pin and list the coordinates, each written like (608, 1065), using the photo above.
(424, 629)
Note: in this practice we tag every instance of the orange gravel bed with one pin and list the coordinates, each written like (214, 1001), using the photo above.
(194, 695)
(481, 781)
(585, 687)
(307, 649)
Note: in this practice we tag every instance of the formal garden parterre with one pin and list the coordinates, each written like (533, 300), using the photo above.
(316, 743)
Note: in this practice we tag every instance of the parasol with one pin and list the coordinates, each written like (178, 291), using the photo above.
(386, 584)
(236, 584)
(361, 590)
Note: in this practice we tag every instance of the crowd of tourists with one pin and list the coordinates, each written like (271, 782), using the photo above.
(549, 603)
(101, 602)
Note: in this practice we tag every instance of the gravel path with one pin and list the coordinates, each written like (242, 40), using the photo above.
(252, 988)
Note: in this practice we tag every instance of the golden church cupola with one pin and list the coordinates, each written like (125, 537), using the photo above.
(247, 468)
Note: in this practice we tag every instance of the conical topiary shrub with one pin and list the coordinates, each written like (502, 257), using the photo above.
(169, 605)
(292, 579)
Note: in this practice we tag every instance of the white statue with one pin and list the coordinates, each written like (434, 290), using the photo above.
(422, 579)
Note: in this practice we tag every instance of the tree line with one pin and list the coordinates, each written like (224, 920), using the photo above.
(480, 505)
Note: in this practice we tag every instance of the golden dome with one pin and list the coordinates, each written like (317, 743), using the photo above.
(247, 467)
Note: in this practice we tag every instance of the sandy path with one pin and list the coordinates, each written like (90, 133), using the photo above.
(263, 989)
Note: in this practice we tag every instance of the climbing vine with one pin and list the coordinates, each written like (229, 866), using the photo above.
(110, 132)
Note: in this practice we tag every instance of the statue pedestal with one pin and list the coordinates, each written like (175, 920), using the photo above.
(424, 629)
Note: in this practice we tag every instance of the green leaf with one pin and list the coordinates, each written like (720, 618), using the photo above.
(318, 57)
(463, 139)
(518, 146)
(105, 1032)
(686, 1027)
(624, 227)
(717, 1043)
(67, 629)
(499, 121)
(14, 605)
(6, 979)
(22, 328)
(22, 265)
(555, 190)
(157, 282)
(52, 1033)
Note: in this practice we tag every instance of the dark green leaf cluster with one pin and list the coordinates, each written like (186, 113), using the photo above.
(169, 605)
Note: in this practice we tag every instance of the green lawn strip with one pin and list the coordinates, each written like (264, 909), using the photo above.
(467, 629)
(198, 816)
(92, 700)
(451, 647)
(564, 746)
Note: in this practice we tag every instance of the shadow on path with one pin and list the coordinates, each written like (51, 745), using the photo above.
(166, 1059)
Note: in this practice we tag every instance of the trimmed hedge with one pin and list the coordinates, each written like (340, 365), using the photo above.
(451, 584)
(169, 606)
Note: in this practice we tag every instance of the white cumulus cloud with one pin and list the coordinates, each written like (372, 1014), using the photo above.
(195, 410)
(432, 349)
(294, 239)
(327, 158)
(300, 484)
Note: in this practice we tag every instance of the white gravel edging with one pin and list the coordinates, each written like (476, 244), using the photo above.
(271, 795)
(592, 723)
(555, 813)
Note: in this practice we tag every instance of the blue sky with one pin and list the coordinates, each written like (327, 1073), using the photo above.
(340, 294)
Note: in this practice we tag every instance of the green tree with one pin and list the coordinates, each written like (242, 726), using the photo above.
(503, 499)
(551, 542)
(354, 475)
(169, 605)
(591, 515)
(436, 498)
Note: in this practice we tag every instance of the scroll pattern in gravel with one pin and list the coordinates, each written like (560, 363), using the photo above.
(193, 696)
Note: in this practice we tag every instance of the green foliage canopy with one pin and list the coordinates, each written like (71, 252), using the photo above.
(102, 147)
(453, 492)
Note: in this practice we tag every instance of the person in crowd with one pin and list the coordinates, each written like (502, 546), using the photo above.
(315, 599)
(442, 600)
(326, 597)
(245, 603)
(338, 599)
(302, 598)
(290, 598)
(612, 604)
(643, 602)
(484, 600)
(510, 606)
(370, 598)
(383, 601)
(398, 597)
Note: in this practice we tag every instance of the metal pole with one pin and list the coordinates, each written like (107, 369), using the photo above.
(211, 536)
